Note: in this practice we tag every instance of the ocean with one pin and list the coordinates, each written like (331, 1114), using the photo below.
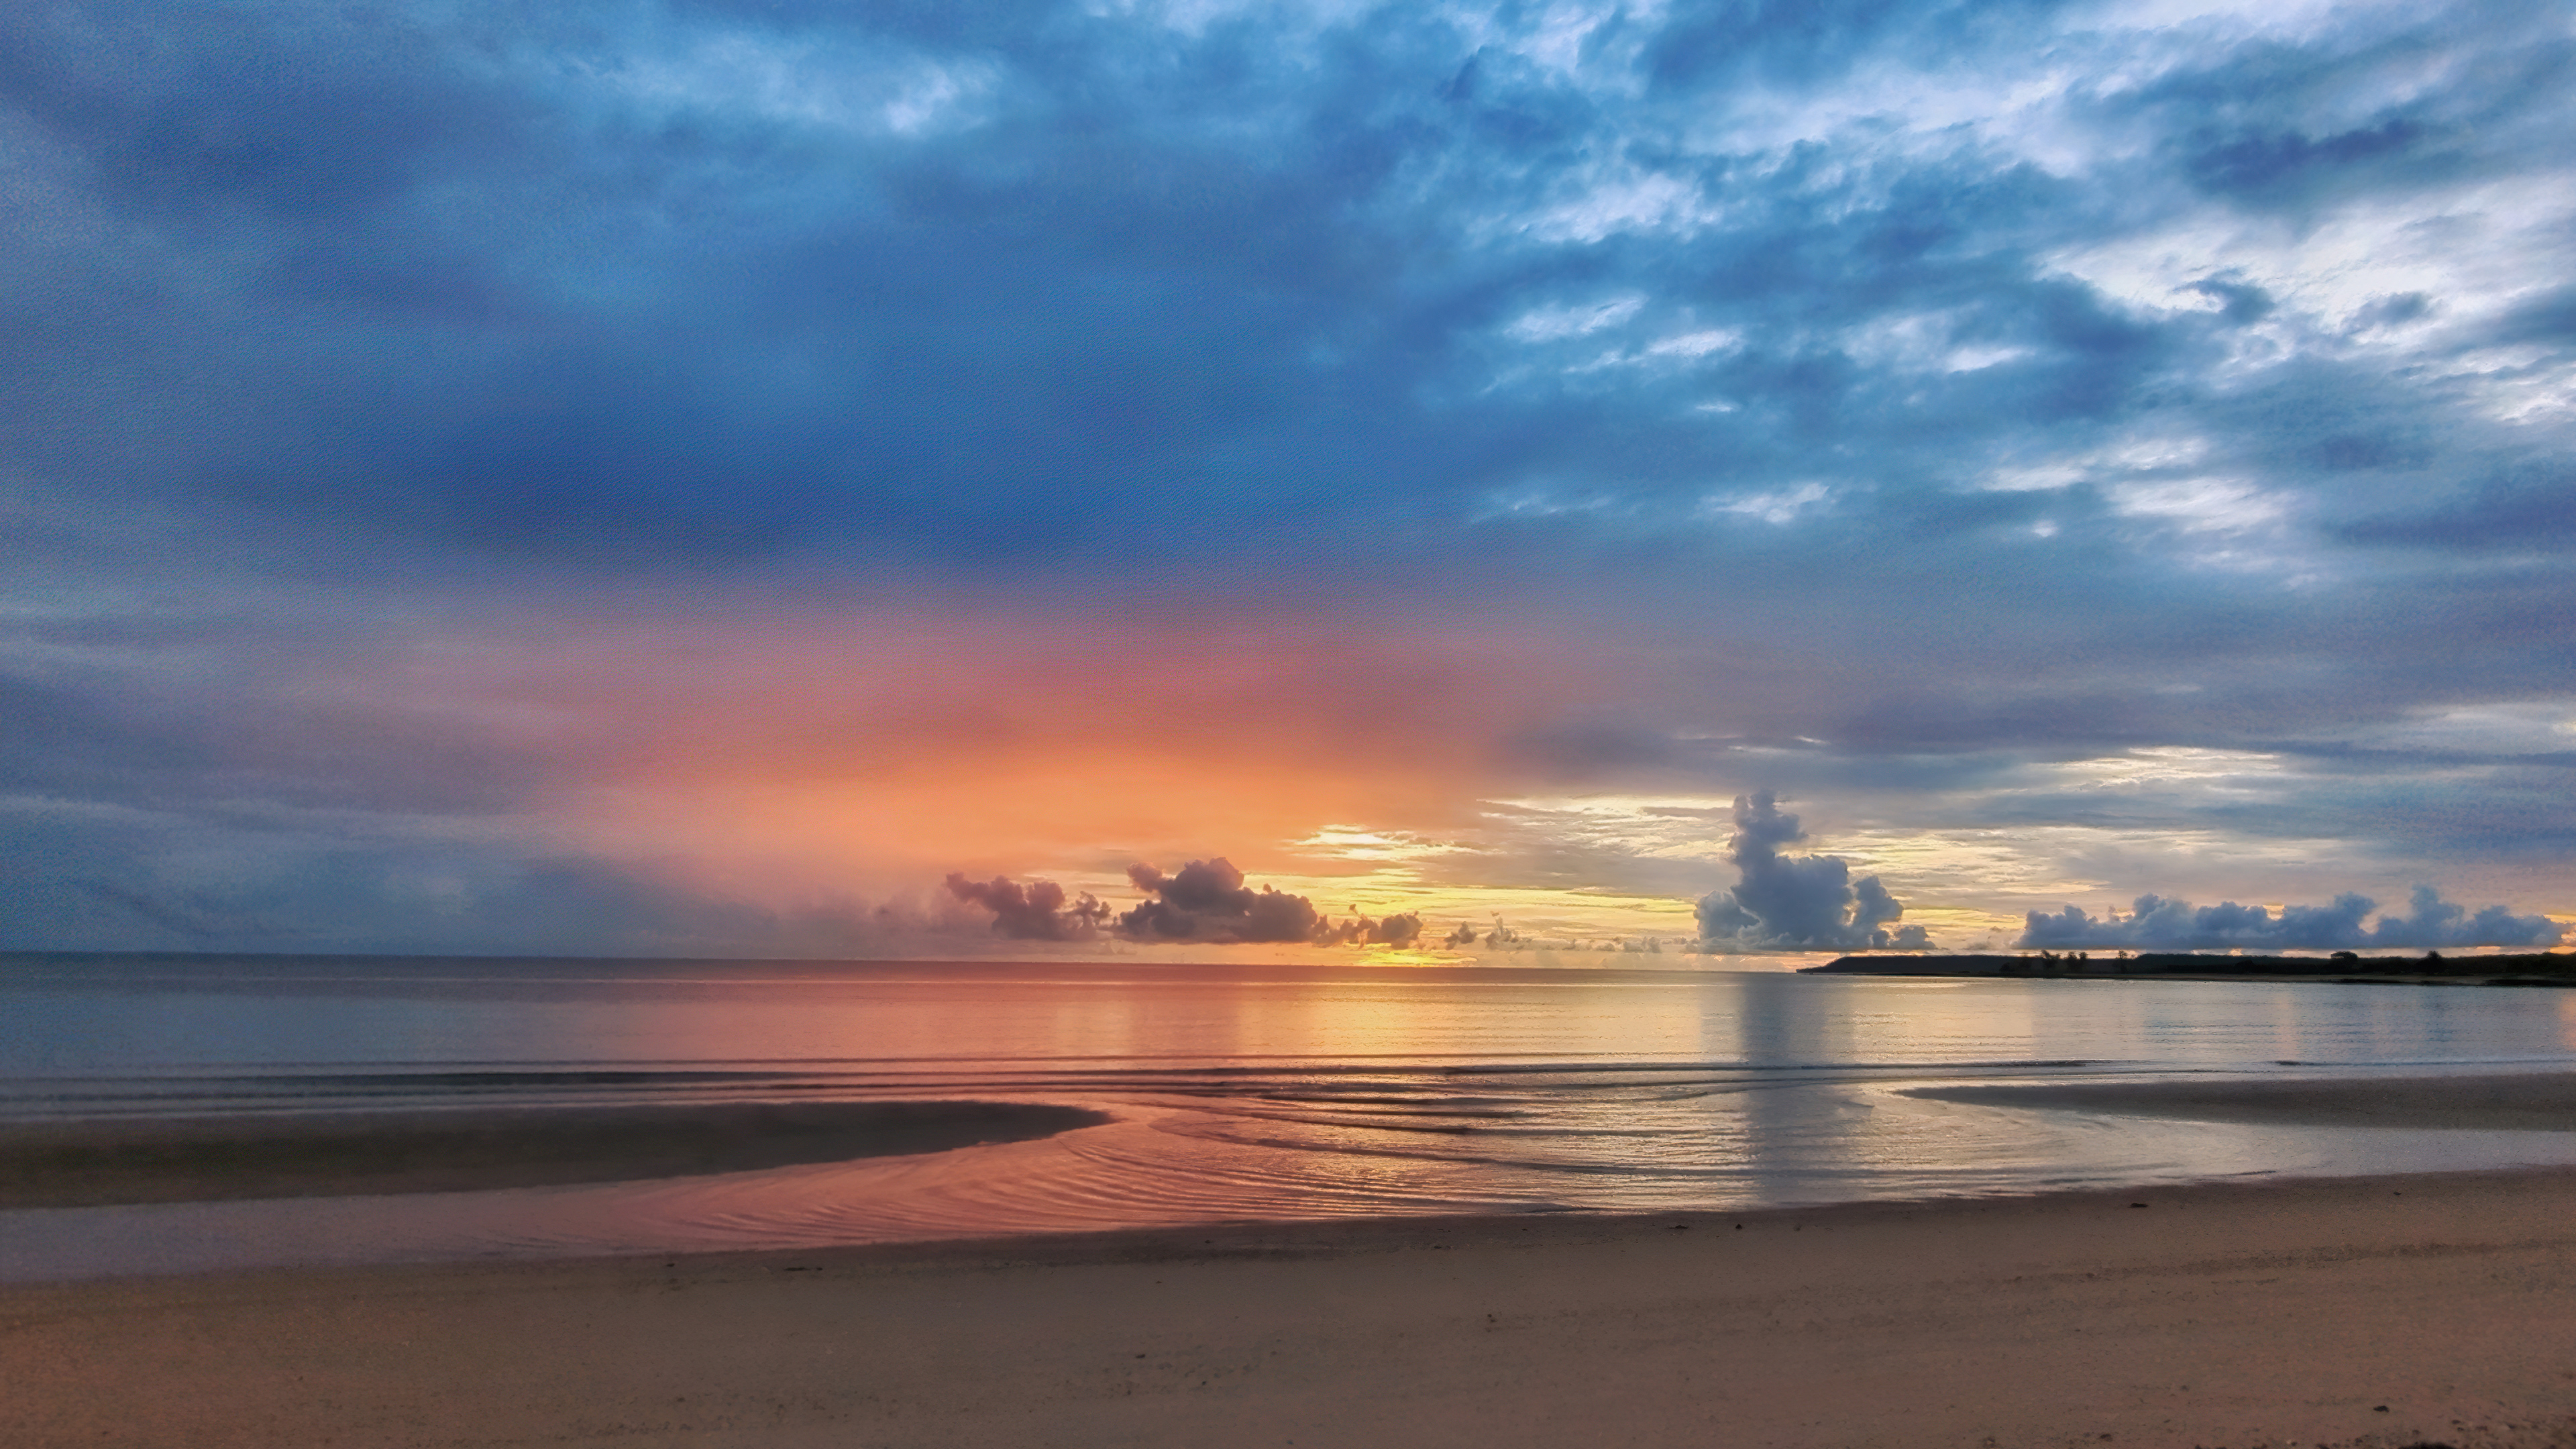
(1236, 1092)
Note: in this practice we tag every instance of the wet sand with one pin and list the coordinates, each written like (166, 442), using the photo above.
(2366, 1312)
(2525, 1101)
(204, 1159)
(2360, 1312)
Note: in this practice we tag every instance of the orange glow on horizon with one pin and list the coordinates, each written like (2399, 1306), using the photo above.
(780, 752)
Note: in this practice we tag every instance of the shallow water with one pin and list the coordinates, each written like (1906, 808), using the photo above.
(1240, 1092)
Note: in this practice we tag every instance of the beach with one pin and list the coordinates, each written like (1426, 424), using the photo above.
(2366, 1311)
(282, 1155)
(441, 1203)
(2219, 1316)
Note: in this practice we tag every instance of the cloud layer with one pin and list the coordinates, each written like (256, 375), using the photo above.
(615, 463)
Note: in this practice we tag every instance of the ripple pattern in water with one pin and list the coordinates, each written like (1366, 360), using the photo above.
(1237, 1096)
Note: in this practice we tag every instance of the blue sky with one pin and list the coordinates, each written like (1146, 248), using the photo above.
(689, 477)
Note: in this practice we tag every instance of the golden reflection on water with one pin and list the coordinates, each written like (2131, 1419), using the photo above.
(1256, 1013)
(1171, 1016)
(1266, 1091)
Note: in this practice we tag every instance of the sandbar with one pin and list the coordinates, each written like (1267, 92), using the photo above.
(85, 1163)
(2499, 1102)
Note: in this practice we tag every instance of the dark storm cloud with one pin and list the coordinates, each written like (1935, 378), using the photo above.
(1794, 902)
(1945, 382)
(1205, 902)
(2154, 923)
(1038, 911)
(1358, 930)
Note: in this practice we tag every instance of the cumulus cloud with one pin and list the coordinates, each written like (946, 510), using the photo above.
(1793, 902)
(1204, 902)
(1038, 911)
(1396, 930)
(2155, 923)
(1207, 901)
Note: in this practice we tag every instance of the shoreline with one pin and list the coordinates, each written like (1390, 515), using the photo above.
(1293, 1240)
(221, 1157)
(1289, 1240)
(2222, 1314)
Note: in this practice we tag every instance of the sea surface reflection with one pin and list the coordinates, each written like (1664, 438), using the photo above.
(1239, 1093)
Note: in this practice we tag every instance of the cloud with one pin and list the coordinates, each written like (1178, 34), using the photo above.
(2205, 383)
(130, 880)
(1401, 929)
(1037, 911)
(1802, 902)
(747, 328)
(2155, 923)
(1206, 900)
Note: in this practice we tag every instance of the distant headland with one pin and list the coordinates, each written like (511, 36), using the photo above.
(2528, 968)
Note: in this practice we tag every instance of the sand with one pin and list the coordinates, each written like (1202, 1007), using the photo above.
(2360, 1312)
(201, 1159)
(2212, 1316)
(2525, 1101)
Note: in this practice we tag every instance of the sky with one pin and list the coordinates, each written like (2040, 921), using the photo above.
(1431, 480)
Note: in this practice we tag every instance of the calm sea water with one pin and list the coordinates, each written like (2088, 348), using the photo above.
(1239, 1092)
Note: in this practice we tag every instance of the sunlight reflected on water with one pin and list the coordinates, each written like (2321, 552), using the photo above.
(1240, 1093)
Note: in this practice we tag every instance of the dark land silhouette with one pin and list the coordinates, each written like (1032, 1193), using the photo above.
(2526, 968)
